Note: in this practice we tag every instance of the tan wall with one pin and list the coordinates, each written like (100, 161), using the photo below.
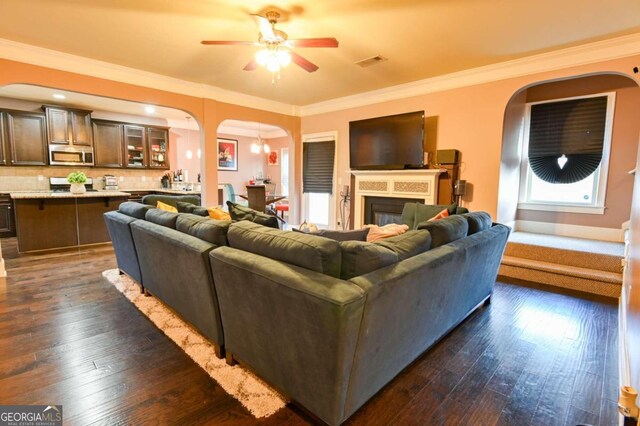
(275, 171)
(178, 142)
(469, 119)
(626, 127)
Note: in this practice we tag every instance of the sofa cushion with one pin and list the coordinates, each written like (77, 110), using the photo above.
(172, 200)
(349, 235)
(133, 209)
(239, 212)
(415, 213)
(308, 251)
(184, 207)
(213, 231)
(478, 221)
(359, 258)
(408, 244)
(162, 217)
(446, 230)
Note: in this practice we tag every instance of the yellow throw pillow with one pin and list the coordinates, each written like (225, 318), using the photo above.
(218, 214)
(166, 207)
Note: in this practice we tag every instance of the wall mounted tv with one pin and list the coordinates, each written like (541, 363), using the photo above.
(387, 143)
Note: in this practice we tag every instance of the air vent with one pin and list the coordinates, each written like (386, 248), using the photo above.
(371, 61)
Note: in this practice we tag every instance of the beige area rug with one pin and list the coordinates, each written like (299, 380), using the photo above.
(254, 394)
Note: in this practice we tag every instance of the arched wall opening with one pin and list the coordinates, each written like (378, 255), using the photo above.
(237, 164)
(624, 145)
(30, 98)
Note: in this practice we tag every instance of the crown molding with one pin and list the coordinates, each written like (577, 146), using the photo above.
(599, 51)
(48, 58)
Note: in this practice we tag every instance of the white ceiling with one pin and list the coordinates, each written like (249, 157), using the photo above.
(421, 38)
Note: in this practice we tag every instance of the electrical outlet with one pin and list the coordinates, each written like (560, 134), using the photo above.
(121, 178)
(40, 178)
(144, 178)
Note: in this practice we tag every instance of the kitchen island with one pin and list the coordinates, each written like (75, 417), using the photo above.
(52, 220)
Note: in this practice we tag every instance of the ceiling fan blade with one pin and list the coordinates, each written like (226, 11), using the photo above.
(303, 63)
(251, 66)
(313, 42)
(265, 27)
(229, 43)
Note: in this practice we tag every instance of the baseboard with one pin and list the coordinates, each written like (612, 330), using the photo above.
(624, 372)
(566, 230)
(3, 272)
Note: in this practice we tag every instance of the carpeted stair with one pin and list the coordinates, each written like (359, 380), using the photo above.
(577, 264)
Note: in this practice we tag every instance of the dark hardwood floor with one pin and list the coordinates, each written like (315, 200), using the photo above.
(67, 337)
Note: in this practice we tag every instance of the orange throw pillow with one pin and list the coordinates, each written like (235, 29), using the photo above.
(444, 213)
(218, 214)
(166, 207)
(380, 232)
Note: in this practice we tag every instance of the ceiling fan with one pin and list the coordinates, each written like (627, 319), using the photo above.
(276, 47)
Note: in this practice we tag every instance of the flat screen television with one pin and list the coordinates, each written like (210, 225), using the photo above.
(387, 143)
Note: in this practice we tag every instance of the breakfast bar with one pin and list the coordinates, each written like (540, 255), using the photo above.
(53, 220)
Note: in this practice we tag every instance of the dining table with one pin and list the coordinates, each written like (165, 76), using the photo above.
(259, 199)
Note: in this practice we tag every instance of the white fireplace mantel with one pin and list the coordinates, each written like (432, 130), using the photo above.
(418, 184)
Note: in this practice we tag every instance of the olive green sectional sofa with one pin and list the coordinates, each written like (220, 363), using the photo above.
(328, 323)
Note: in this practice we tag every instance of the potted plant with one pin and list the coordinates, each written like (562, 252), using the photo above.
(77, 181)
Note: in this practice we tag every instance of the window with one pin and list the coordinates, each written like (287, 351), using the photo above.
(318, 170)
(565, 156)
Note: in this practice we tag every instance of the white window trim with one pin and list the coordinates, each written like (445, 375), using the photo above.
(320, 137)
(598, 206)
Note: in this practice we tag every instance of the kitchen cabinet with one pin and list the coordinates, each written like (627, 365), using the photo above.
(3, 149)
(26, 138)
(68, 126)
(134, 146)
(107, 143)
(158, 143)
(7, 220)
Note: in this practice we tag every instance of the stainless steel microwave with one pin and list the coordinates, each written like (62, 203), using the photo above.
(70, 155)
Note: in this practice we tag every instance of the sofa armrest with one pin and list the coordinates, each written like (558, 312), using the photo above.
(295, 327)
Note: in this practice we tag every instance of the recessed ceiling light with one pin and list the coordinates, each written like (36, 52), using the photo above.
(149, 109)
(59, 96)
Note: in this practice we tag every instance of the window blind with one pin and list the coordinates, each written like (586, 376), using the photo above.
(573, 128)
(317, 166)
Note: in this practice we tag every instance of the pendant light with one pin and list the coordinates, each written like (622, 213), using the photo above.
(189, 153)
(260, 146)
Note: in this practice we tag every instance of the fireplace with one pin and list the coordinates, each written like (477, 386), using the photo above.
(384, 210)
(390, 187)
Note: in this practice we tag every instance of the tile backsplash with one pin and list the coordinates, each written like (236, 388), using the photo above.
(37, 178)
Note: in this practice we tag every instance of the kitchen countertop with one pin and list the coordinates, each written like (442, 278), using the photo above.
(162, 191)
(49, 194)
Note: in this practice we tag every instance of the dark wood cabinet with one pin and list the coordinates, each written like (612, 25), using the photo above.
(26, 138)
(107, 142)
(68, 126)
(135, 147)
(137, 195)
(7, 220)
(158, 144)
(3, 148)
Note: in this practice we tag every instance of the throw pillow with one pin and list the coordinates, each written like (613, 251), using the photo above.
(427, 211)
(218, 213)
(379, 232)
(239, 212)
(166, 207)
(444, 213)
(184, 207)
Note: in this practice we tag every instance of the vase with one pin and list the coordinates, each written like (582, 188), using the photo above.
(78, 188)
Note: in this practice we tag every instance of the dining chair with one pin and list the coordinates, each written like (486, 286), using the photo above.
(270, 188)
(231, 195)
(256, 195)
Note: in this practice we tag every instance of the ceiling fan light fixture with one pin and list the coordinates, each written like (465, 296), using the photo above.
(284, 58)
(262, 57)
